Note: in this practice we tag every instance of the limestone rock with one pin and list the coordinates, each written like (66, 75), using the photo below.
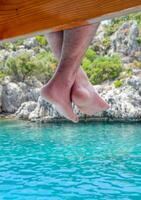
(12, 97)
(0, 98)
(14, 94)
(25, 109)
(124, 42)
(135, 82)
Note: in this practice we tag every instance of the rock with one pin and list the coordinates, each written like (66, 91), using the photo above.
(6, 80)
(124, 42)
(14, 94)
(4, 54)
(125, 103)
(30, 43)
(22, 51)
(25, 109)
(135, 82)
(0, 98)
(33, 82)
(43, 110)
(33, 94)
(12, 97)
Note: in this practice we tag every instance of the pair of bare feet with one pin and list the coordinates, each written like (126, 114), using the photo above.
(81, 93)
(70, 83)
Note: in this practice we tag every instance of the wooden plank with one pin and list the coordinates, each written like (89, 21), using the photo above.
(30, 16)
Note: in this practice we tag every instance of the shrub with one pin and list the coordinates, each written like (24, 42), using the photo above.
(118, 83)
(106, 42)
(138, 39)
(90, 54)
(43, 66)
(2, 75)
(25, 65)
(104, 68)
(19, 67)
(41, 39)
(19, 42)
(7, 45)
(86, 63)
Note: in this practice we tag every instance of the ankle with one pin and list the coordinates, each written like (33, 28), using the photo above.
(63, 80)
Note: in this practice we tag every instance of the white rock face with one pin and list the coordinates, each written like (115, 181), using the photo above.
(25, 109)
(125, 101)
(12, 97)
(14, 94)
(125, 104)
(0, 98)
(43, 110)
(124, 42)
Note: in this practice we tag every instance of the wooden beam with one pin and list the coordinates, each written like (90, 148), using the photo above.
(31, 16)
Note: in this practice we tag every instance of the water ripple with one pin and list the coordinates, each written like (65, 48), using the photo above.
(70, 161)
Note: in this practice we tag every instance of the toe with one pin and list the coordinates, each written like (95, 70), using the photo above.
(67, 111)
(70, 114)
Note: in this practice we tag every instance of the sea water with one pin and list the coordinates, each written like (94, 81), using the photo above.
(66, 161)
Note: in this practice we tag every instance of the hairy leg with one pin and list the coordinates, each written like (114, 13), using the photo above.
(58, 90)
(83, 93)
(55, 40)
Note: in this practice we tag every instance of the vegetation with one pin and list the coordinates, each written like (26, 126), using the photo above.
(139, 40)
(102, 68)
(117, 22)
(126, 73)
(118, 83)
(106, 42)
(41, 39)
(2, 75)
(42, 64)
(90, 54)
(25, 65)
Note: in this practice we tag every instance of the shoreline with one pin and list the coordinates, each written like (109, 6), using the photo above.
(9, 116)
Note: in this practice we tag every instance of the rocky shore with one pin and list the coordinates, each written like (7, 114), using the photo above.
(23, 100)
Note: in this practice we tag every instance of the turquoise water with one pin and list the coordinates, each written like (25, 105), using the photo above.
(86, 161)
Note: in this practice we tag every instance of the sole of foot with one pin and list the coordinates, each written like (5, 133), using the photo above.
(62, 105)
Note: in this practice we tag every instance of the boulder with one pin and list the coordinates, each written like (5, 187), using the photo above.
(14, 94)
(25, 109)
(43, 110)
(12, 97)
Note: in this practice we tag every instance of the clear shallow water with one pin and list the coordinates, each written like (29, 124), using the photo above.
(70, 161)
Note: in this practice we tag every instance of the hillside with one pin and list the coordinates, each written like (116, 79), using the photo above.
(112, 63)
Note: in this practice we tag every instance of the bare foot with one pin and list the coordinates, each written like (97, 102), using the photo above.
(57, 93)
(85, 97)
